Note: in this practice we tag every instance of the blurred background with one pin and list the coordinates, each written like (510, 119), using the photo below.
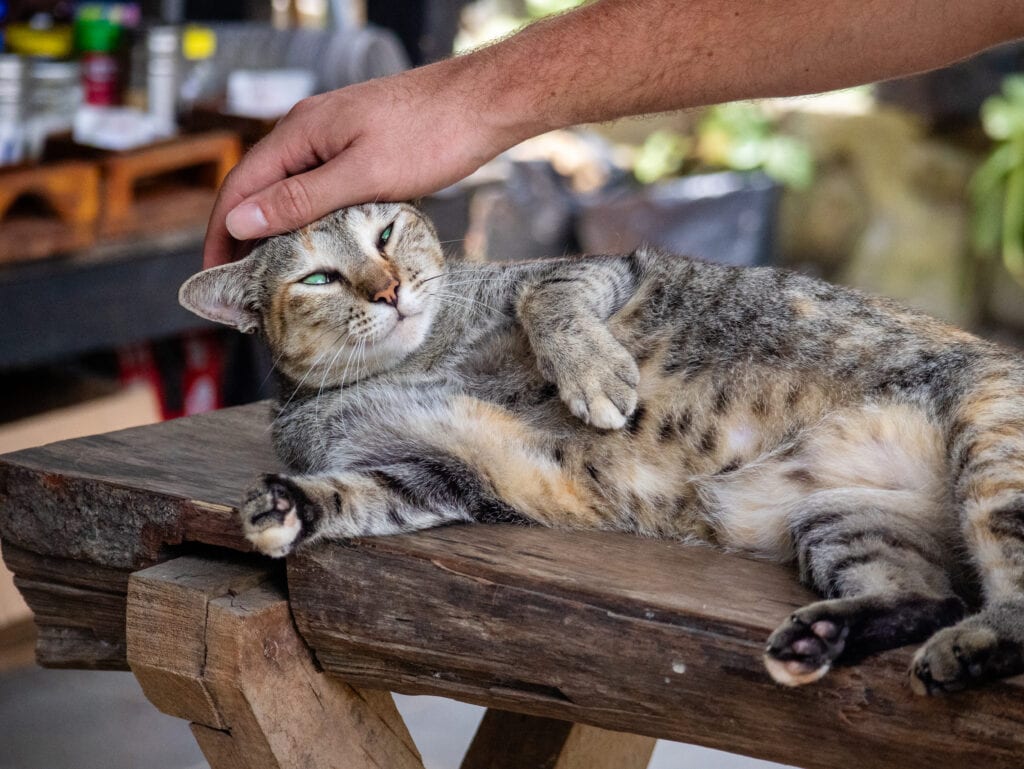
(119, 120)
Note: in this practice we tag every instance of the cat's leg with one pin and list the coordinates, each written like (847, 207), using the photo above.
(564, 312)
(987, 459)
(281, 512)
(882, 572)
(459, 460)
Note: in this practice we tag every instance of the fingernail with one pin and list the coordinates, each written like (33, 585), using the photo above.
(246, 222)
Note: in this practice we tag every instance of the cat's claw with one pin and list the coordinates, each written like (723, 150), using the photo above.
(270, 518)
(600, 412)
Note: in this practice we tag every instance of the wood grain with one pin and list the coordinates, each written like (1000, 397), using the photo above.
(76, 517)
(121, 499)
(214, 642)
(625, 634)
(79, 609)
(168, 607)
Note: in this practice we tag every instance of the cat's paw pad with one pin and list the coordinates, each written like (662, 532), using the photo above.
(270, 516)
(803, 649)
(962, 656)
(604, 395)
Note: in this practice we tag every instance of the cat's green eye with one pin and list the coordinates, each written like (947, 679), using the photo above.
(385, 236)
(317, 279)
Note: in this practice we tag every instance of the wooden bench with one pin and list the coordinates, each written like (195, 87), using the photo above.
(583, 645)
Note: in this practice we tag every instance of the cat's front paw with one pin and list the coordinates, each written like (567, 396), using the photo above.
(964, 656)
(804, 647)
(601, 391)
(270, 515)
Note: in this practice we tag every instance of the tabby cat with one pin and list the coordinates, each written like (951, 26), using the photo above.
(754, 409)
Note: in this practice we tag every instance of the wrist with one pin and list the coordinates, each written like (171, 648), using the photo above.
(493, 90)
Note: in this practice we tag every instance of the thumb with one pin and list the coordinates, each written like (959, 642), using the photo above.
(292, 203)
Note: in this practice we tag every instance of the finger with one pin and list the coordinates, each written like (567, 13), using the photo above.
(297, 200)
(284, 151)
(218, 245)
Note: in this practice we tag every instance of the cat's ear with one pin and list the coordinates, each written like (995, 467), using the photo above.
(222, 294)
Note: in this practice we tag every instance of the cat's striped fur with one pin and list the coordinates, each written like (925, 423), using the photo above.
(754, 409)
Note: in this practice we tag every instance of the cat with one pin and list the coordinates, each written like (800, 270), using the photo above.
(754, 409)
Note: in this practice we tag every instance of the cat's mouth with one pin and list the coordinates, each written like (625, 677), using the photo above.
(402, 323)
(407, 315)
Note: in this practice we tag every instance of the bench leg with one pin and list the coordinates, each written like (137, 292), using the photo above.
(507, 740)
(213, 642)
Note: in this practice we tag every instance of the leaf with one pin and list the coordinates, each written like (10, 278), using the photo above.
(662, 154)
(740, 136)
(748, 153)
(1013, 224)
(1001, 118)
(987, 221)
(790, 162)
(993, 171)
(1013, 87)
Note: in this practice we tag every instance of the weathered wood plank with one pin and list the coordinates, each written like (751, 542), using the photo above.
(506, 740)
(625, 634)
(78, 609)
(220, 749)
(120, 499)
(76, 517)
(167, 612)
(214, 643)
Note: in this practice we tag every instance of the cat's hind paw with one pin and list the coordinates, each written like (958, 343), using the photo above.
(270, 515)
(803, 649)
(964, 656)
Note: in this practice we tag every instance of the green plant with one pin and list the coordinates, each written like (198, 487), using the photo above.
(997, 189)
(741, 136)
(662, 154)
(738, 136)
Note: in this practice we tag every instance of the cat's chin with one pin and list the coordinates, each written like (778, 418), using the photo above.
(404, 338)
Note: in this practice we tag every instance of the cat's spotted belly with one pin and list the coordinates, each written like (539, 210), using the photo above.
(743, 474)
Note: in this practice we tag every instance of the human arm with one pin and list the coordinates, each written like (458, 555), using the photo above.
(410, 134)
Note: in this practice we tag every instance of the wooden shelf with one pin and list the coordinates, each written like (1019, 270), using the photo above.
(96, 299)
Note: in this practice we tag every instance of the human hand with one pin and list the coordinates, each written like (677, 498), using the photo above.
(390, 139)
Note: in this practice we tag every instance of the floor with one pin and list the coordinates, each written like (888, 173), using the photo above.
(72, 719)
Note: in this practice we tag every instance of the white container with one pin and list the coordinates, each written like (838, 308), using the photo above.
(267, 93)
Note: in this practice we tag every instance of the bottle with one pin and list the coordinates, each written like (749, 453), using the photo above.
(198, 44)
(162, 45)
(13, 101)
(98, 41)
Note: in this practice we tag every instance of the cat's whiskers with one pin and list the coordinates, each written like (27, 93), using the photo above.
(453, 284)
(353, 353)
(477, 273)
(323, 381)
(313, 365)
(465, 301)
(273, 368)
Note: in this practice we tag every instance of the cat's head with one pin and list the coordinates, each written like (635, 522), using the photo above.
(342, 298)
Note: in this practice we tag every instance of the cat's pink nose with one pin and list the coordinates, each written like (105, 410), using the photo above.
(388, 294)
